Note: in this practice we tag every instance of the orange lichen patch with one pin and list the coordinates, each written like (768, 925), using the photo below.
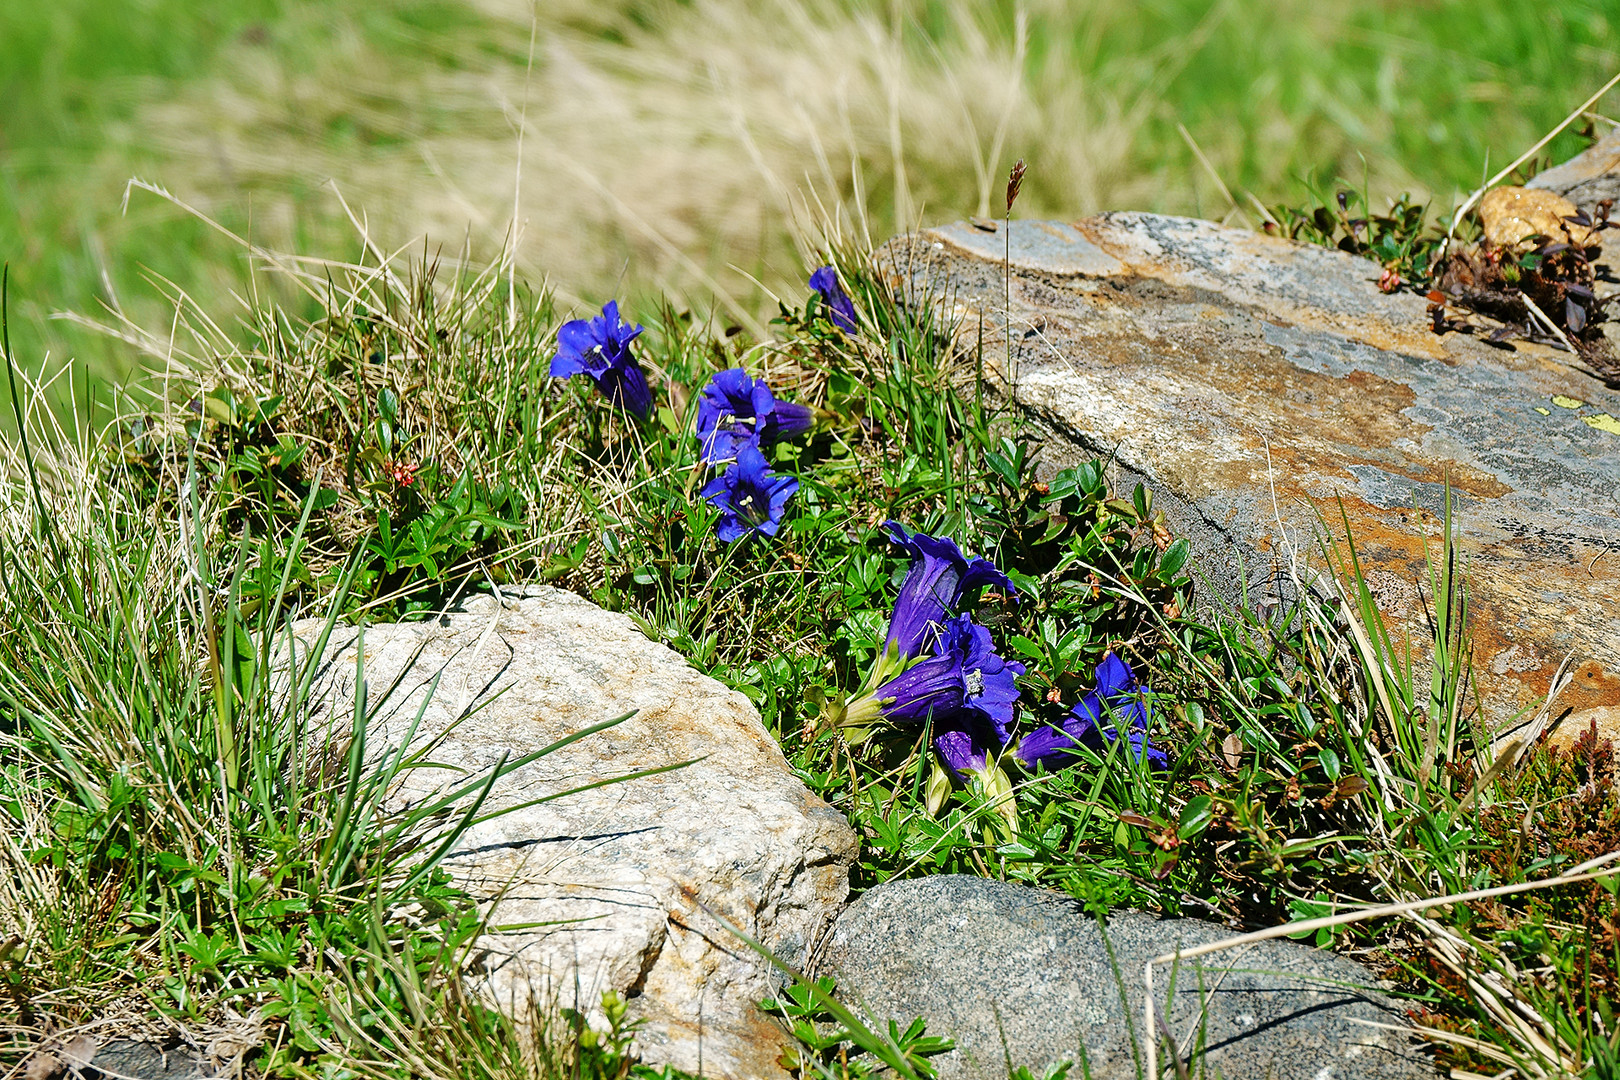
(1257, 249)
(1506, 668)
(1593, 685)
(1374, 531)
(1492, 633)
(1403, 338)
(1471, 481)
(1387, 394)
(1508, 625)
(1460, 476)
(1422, 343)
(1359, 407)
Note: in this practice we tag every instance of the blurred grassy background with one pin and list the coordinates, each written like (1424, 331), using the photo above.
(669, 145)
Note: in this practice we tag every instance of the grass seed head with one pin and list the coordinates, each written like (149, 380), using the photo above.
(1015, 181)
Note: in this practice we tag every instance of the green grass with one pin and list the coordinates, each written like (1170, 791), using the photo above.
(336, 440)
(184, 843)
(407, 443)
(668, 148)
(82, 81)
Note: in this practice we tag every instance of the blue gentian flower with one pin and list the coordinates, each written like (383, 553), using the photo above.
(600, 348)
(966, 744)
(840, 308)
(968, 749)
(1118, 699)
(751, 499)
(965, 739)
(735, 409)
(939, 579)
(965, 676)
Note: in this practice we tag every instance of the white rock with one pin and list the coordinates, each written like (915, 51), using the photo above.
(623, 874)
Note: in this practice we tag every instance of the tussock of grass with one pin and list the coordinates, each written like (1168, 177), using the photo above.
(185, 851)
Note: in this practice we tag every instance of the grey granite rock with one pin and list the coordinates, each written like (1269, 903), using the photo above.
(1024, 975)
(128, 1059)
(619, 887)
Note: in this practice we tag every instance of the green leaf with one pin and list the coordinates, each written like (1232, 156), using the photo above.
(1025, 647)
(220, 405)
(1174, 558)
(1195, 817)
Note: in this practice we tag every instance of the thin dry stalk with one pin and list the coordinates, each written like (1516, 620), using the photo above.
(1209, 168)
(1515, 747)
(1587, 871)
(1541, 317)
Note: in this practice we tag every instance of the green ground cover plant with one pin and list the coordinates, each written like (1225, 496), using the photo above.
(180, 851)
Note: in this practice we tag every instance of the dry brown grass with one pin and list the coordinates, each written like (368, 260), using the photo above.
(682, 156)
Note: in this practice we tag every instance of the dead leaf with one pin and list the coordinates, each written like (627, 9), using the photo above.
(78, 1052)
(42, 1066)
(1232, 750)
(1513, 215)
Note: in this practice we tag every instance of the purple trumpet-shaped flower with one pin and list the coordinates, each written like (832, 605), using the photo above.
(750, 498)
(966, 744)
(735, 409)
(1118, 699)
(968, 750)
(840, 308)
(600, 348)
(939, 579)
(964, 683)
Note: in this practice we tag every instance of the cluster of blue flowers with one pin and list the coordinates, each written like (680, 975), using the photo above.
(738, 416)
(939, 668)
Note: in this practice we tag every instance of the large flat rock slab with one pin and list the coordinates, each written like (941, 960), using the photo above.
(616, 887)
(1021, 975)
(1257, 384)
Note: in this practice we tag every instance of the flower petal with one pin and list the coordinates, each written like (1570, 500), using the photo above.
(964, 743)
(1118, 701)
(939, 578)
(729, 393)
(625, 384)
(840, 309)
(723, 442)
(787, 419)
(1049, 747)
(750, 498)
